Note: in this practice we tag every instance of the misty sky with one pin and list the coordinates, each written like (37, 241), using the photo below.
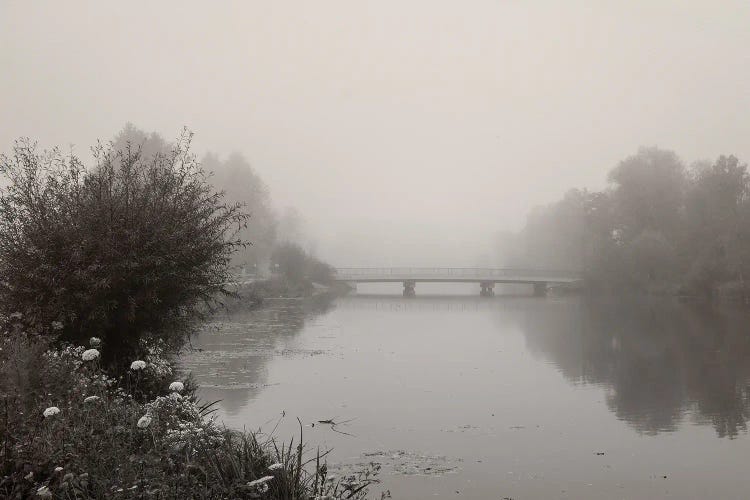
(406, 132)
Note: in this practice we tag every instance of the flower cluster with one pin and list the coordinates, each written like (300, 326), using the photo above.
(90, 355)
(138, 365)
(156, 357)
(51, 411)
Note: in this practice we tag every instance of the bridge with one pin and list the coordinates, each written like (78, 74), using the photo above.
(540, 279)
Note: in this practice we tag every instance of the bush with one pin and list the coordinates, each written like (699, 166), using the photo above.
(69, 431)
(297, 266)
(135, 247)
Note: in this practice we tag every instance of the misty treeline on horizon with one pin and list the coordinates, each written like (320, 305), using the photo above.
(660, 226)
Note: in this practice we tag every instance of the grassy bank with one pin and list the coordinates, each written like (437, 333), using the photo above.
(71, 431)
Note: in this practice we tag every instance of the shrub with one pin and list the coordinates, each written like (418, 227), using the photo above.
(135, 247)
(297, 266)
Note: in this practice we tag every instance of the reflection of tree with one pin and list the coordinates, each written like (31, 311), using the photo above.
(230, 355)
(659, 361)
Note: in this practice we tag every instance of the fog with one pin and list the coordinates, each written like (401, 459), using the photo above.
(406, 133)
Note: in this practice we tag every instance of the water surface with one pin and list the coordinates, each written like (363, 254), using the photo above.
(507, 397)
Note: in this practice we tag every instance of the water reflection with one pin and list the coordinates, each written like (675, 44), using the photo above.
(229, 356)
(660, 362)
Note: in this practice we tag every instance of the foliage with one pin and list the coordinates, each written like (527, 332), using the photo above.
(659, 226)
(241, 184)
(297, 266)
(135, 247)
(103, 443)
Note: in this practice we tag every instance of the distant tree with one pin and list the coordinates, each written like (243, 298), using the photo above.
(294, 264)
(648, 189)
(242, 184)
(290, 260)
(137, 245)
(715, 207)
(132, 137)
(291, 227)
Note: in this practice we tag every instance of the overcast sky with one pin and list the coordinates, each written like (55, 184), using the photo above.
(406, 132)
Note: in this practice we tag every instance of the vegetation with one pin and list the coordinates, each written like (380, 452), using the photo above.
(70, 431)
(136, 246)
(297, 266)
(241, 184)
(659, 227)
(128, 256)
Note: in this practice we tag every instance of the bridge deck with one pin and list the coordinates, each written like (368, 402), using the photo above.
(454, 275)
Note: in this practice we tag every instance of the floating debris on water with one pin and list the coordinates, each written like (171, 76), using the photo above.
(407, 463)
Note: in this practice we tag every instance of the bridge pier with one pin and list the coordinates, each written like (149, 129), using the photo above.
(409, 288)
(540, 289)
(487, 289)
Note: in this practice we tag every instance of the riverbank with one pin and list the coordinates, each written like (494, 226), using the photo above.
(253, 294)
(76, 431)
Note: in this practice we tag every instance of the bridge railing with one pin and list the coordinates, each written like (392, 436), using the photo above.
(451, 272)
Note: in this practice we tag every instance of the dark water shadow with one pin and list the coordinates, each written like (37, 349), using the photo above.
(229, 356)
(660, 362)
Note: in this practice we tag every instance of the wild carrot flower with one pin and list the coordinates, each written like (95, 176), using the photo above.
(44, 492)
(144, 422)
(95, 341)
(260, 484)
(91, 399)
(52, 410)
(58, 469)
(176, 386)
(90, 355)
(137, 365)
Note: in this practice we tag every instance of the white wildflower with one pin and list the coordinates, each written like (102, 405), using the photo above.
(138, 365)
(52, 410)
(44, 492)
(276, 466)
(176, 386)
(144, 421)
(260, 485)
(262, 480)
(91, 399)
(95, 341)
(58, 469)
(57, 325)
(90, 355)
(29, 476)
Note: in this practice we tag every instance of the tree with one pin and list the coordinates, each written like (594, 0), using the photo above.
(295, 265)
(648, 190)
(714, 208)
(243, 185)
(138, 245)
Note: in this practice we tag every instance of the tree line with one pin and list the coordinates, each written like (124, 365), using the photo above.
(659, 227)
(277, 242)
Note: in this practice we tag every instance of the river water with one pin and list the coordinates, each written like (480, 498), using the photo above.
(505, 397)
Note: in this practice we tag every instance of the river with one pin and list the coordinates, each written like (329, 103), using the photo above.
(505, 397)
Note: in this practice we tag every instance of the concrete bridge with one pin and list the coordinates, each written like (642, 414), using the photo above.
(540, 279)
